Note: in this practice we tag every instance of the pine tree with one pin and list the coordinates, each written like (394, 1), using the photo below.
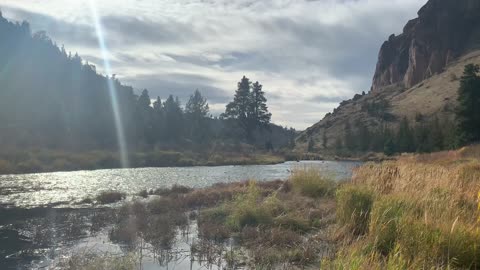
(405, 139)
(363, 136)
(248, 108)
(197, 105)
(196, 112)
(350, 143)
(173, 119)
(338, 146)
(311, 145)
(238, 108)
(324, 140)
(468, 110)
(389, 148)
(158, 119)
(437, 137)
(423, 138)
(258, 111)
(144, 118)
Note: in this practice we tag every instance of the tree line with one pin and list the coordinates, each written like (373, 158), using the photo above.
(420, 136)
(53, 99)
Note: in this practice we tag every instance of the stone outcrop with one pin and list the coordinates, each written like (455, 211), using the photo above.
(444, 30)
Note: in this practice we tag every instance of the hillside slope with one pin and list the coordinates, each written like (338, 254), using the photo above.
(401, 86)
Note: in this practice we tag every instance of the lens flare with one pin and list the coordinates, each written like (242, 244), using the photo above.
(122, 144)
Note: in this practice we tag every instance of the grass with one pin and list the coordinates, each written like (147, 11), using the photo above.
(312, 183)
(275, 224)
(92, 261)
(42, 160)
(252, 212)
(418, 212)
(108, 197)
(278, 226)
(353, 208)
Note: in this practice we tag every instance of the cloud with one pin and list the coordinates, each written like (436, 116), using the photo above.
(181, 85)
(308, 54)
(58, 29)
(127, 31)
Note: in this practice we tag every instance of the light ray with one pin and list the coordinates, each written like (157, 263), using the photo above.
(122, 144)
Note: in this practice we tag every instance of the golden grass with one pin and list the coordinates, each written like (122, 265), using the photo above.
(425, 213)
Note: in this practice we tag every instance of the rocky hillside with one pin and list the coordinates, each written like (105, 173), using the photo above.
(417, 73)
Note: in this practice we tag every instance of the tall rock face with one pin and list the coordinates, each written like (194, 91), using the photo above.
(443, 31)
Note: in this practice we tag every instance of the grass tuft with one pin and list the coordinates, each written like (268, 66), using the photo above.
(108, 197)
(312, 183)
(353, 208)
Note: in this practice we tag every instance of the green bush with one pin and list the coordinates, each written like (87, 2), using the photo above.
(353, 208)
(312, 183)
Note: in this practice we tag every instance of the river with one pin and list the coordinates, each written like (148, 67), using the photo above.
(41, 217)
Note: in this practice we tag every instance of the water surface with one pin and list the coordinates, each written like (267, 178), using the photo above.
(64, 188)
(41, 219)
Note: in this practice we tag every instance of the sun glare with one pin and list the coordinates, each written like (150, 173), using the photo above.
(111, 85)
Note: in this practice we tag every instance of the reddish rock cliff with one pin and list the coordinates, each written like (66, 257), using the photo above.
(444, 30)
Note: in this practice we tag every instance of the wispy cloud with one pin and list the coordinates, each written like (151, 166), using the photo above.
(308, 54)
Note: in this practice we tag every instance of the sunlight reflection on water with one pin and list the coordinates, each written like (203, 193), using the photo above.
(66, 188)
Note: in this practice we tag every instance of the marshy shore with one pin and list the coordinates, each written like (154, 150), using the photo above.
(416, 212)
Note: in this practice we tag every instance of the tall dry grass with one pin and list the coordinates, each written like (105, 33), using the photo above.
(425, 213)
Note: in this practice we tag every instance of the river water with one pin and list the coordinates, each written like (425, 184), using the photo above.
(41, 217)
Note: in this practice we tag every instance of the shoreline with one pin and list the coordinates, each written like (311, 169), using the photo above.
(50, 161)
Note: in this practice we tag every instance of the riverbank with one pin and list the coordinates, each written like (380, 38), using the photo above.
(246, 225)
(35, 161)
(329, 156)
(417, 212)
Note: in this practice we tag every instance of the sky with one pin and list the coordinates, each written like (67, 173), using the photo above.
(308, 54)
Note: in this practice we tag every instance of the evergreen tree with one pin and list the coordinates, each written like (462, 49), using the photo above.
(389, 148)
(437, 137)
(405, 139)
(258, 110)
(292, 136)
(363, 136)
(311, 145)
(468, 110)
(324, 140)
(350, 142)
(173, 119)
(144, 111)
(238, 109)
(423, 140)
(158, 119)
(449, 134)
(389, 144)
(338, 146)
(196, 112)
(248, 108)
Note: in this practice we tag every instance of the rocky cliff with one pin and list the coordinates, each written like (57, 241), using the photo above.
(443, 31)
(417, 73)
